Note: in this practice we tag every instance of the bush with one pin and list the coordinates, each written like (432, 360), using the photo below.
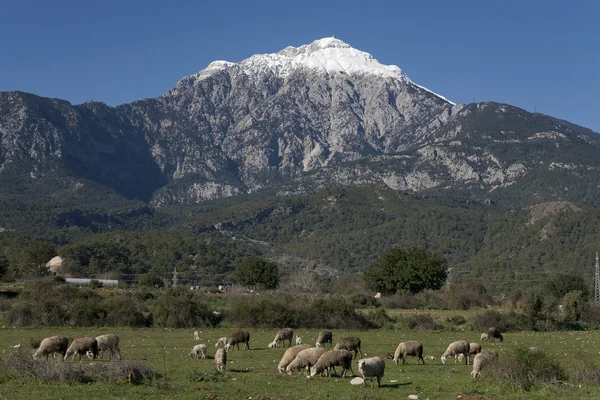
(281, 309)
(95, 284)
(526, 369)
(24, 366)
(585, 371)
(510, 321)
(573, 304)
(181, 308)
(421, 322)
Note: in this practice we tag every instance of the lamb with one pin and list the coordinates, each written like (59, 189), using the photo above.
(370, 367)
(238, 337)
(289, 356)
(456, 348)
(298, 340)
(196, 336)
(282, 336)
(482, 360)
(306, 358)
(410, 348)
(109, 342)
(330, 359)
(221, 359)
(493, 334)
(474, 348)
(52, 345)
(198, 351)
(222, 341)
(82, 346)
(325, 336)
(350, 344)
(483, 337)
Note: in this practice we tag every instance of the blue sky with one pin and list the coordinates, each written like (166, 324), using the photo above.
(538, 55)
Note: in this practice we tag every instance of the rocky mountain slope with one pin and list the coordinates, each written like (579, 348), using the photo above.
(295, 121)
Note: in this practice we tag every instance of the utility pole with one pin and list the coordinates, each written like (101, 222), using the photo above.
(597, 280)
(175, 277)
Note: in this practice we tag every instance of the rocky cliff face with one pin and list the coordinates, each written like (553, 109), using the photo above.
(303, 118)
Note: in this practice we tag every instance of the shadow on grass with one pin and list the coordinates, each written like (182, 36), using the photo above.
(239, 371)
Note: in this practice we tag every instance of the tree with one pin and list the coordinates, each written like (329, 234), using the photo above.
(573, 303)
(413, 269)
(561, 284)
(255, 271)
(34, 256)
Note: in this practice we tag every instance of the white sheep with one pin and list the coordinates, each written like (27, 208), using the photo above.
(325, 336)
(109, 342)
(82, 346)
(52, 345)
(198, 351)
(461, 346)
(410, 348)
(483, 337)
(370, 367)
(482, 360)
(332, 359)
(298, 340)
(305, 359)
(221, 359)
(289, 356)
(222, 341)
(196, 336)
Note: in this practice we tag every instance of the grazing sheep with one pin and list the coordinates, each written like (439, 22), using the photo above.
(221, 359)
(493, 334)
(305, 359)
(350, 344)
(410, 348)
(370, 367)
(325, 336)
(108, 342)
(238, 337)
(82, 346)
(474, 348)
(482, 360)
(52, 345)
(222, 341)
(298, 340)
(198, 351)
(331, 359)
(196, 336)
(282, 336)
(456, 348)
(483, 337)
(289, 356)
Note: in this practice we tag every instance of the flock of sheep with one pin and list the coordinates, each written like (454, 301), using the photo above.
(317, 360)
(92, 347)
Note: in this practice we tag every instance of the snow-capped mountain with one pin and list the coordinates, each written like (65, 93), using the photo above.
(305, 117)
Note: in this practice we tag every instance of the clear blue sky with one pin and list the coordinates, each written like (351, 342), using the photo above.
(538, 55)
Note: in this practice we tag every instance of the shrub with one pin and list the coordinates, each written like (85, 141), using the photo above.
(585, 371)
(573, 304)
(421, 322)
(24, 366)
(180, 308)
(526, 369)
(591, 313)
(95, 284)
(510, 321)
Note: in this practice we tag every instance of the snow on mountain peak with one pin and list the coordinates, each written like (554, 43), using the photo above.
(328, 55)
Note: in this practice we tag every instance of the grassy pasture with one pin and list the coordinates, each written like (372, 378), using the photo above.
(252, 374)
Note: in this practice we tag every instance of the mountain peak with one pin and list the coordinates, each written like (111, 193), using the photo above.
(328, 55)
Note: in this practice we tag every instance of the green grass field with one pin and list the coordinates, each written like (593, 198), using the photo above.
(252, 374)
